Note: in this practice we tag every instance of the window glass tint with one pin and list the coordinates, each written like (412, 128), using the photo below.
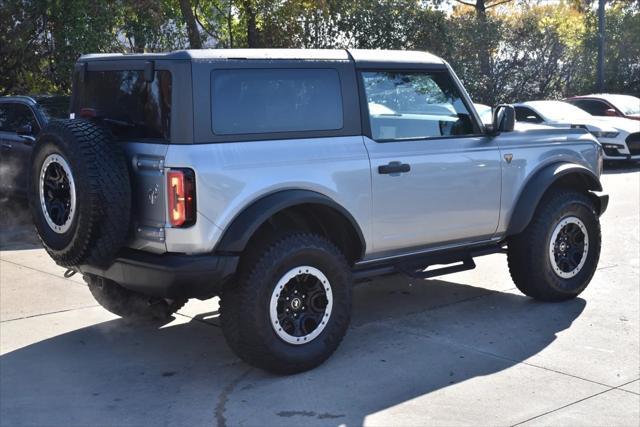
(54, 107)
(414, 105)
(5, 118)
(14, 115)
(124, 101)
(253, 101)
(524, 114)
(595, 108)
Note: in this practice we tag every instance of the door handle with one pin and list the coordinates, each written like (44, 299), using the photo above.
(6, 146)
(394, 168)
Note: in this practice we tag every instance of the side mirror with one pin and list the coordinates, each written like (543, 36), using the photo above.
(610, 112)
(25, 130)
(504, 118)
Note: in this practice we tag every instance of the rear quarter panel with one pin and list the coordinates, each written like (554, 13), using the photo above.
(230, 176)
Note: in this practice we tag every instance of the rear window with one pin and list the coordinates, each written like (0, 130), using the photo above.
(250, 101)
(132, 107)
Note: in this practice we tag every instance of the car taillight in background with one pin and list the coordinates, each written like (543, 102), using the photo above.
(181, 194)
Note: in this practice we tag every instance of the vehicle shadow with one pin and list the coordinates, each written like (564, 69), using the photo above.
(117, 372)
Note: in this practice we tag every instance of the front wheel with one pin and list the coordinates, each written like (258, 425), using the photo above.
(291, 305)
(556, 256)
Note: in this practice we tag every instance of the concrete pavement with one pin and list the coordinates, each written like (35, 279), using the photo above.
(465, 349)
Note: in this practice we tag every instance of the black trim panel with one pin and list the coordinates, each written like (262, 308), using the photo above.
(237, 235)
(536, 187)
(169, 275)
(409, 264)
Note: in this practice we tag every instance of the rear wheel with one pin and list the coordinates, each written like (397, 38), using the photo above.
(556, 256)
(291, 305)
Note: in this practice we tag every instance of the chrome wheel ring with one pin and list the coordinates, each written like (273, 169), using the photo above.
(568, 247)
(57, 193)
(301, 305)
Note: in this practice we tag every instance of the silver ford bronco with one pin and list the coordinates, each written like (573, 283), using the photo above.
(276, 178)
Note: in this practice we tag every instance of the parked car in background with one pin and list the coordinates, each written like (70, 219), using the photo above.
(608, 105)
(619, 137)
(486, 115)
(21, 119)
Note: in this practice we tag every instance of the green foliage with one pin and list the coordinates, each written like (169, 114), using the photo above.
(504, 51)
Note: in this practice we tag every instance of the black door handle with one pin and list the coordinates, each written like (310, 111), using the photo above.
(6, 146)
(394, 167)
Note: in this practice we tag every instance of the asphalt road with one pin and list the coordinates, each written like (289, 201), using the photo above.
(464, 349)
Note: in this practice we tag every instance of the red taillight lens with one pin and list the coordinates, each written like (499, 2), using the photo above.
(88, 113)
(181, 195)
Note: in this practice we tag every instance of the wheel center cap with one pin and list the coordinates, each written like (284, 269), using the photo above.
(296, 303)
(563, 247)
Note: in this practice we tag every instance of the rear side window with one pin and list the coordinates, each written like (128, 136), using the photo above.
(250, 101)
(132, 107)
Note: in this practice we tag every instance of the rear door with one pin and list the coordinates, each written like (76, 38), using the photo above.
(436, 177)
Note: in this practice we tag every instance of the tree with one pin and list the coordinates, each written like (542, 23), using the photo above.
(484, 28)
(195, 42)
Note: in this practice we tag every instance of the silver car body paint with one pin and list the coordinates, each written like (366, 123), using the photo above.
(459, 190)
(230, 176)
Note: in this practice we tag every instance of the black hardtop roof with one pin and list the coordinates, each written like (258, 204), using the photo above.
(359, 56)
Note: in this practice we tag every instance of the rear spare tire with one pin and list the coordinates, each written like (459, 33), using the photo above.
(79, 193)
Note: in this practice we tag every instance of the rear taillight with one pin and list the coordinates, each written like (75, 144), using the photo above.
(88, 113)
(181, 194)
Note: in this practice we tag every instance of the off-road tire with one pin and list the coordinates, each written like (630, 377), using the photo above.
(528, 252)
(103, 193)
(245, 304)
(128, 304)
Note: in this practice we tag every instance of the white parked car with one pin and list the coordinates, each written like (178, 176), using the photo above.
(619, 137)
(486, 115)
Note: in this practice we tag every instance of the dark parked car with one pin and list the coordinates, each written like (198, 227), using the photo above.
(608, 105)
(21, 118)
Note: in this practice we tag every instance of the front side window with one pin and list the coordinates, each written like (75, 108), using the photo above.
(524, 114)
(128, 104)
(253, 101)
(14, 115)
(408, 105)
(596, 108)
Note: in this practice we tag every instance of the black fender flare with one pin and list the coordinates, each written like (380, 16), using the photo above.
(236, 236)
(537, 185)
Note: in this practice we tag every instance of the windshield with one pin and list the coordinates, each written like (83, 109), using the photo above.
(560, 111)
(54, 107)
(629, 105)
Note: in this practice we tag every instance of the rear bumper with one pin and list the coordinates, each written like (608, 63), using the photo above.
(169, 275)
